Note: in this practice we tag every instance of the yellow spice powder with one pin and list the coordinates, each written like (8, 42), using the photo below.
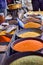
(3, 33)
(32, 25)
(29, 34)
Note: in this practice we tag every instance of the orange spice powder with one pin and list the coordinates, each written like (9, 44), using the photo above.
(28, 45)
(4, 39)
(32, 25)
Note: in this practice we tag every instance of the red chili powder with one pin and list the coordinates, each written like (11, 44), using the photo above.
(28, 45)
(4, 39)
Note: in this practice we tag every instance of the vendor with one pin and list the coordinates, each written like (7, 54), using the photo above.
(3, 6)
(10, 1)
(37, 4)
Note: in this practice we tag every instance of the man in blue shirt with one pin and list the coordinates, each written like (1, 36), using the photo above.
(37, 4)
(3, 6)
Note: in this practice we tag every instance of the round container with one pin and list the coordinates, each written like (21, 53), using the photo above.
(27, 45)
(32, 22)
(8, 30)
(5, 39)
(14, 6)
(24, 59)
(30, 32)
(32, 25)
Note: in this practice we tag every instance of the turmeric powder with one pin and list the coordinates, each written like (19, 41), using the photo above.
(32, 25)
(29, 34)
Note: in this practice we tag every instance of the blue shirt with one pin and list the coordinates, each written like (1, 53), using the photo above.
(3, 4)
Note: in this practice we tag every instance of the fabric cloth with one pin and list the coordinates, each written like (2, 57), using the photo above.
(27, 3)
(37, 4)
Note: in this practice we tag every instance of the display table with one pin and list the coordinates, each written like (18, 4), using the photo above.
(2, 56)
